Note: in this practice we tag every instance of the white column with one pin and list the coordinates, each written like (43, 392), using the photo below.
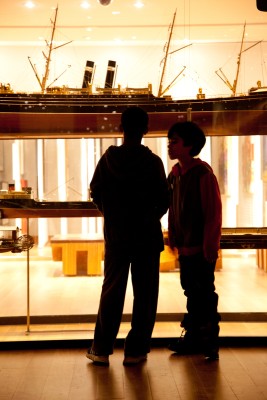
(233, 180)
(16, 173)
(42, 222)
(61, 169)
(257, 184)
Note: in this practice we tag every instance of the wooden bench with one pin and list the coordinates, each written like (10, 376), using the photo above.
(261, 255)
(66, 248)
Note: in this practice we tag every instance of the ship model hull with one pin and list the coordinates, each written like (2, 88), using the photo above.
(74, 116)
(80, 113)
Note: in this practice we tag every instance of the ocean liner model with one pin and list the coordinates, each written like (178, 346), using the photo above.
(72, 113)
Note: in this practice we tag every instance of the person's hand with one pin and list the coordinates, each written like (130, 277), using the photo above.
(211, 257)
(171, 242)
(172, 245)
(173, 249)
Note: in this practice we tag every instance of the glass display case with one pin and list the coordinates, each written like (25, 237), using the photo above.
(59, 171)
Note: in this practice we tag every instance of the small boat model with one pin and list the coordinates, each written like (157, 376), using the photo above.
(10, 241)
(22, 243)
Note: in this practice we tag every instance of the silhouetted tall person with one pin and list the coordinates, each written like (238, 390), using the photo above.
(130, 188)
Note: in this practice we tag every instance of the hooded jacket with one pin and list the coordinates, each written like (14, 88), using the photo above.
(195, 215)
(129, 187)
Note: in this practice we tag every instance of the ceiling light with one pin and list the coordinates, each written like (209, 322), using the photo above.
(29, 4)
(85, 4)
(139, 4)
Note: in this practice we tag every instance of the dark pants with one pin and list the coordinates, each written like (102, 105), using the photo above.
(197, 280)
(145, 281)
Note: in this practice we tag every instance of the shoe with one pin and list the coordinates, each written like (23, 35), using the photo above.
(183, 348)
(187, 344)
(210, 337)
(212, 355)
(97, 358)
(132, 360)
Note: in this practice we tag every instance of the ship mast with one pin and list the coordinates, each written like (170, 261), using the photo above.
(239, 61)
(221, 74)
(160, 92)
(47, 57)
(167, 53)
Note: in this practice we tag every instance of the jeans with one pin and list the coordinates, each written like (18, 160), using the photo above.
(197, 280)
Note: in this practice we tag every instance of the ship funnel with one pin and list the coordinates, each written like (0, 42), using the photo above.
(88, 74)
(110, 77)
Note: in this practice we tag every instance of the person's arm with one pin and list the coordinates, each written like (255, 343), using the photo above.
(162, 203)
(212, 212)
(171, 230)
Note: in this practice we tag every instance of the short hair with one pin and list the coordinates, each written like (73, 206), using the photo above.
(191, 134)
(134, 121)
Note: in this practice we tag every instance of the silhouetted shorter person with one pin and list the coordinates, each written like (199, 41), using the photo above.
(195, 218)
(129, 187)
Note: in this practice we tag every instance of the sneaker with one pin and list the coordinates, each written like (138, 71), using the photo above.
(132, 360)
(97, 358)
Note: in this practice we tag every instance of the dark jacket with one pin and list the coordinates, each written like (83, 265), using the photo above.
(129, 187)
(195, 214)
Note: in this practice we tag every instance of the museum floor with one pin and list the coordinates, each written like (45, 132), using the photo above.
(64, 303)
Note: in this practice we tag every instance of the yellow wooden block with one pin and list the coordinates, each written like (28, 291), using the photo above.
(168, 259)
(56, 252)
(219, 264)
(65, 248)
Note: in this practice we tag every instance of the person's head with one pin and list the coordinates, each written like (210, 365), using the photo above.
(134, 122)
(190, 133)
